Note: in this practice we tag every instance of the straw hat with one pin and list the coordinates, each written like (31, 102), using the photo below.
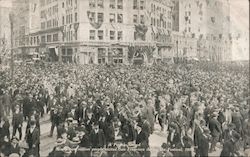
(67, 150)
(14, 155)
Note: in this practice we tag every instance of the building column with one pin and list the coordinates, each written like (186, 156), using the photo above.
(60, 54)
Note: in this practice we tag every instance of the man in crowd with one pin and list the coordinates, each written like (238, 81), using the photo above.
(99, 89)
(33, 139)
(17, 122)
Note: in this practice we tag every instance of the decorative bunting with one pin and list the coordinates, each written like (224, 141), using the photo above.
(141, 31)
(93, 23)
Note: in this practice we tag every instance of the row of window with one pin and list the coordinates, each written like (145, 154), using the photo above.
(113, 18)
(158, 9)
(100, 4)
(100, 17)
(139, 19)
(69, 3)
(49, 24)
(49, 12)
(92, 17)
(44, 2)
(34, 40)
(71, 35)
(160, 23)
(100, 35)
(139, 4)
(69, 19)
(49, 38)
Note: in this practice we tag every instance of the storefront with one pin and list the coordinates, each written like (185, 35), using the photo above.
(86, 55)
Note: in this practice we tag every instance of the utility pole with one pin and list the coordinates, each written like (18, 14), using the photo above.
(11, 45)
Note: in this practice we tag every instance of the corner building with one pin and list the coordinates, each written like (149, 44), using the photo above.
(104, 31)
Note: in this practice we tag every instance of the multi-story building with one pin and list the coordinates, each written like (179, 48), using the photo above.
(33, 44)
(5, 41)
(20, 10)
(94, 31)
(184, 46)
(209, 22)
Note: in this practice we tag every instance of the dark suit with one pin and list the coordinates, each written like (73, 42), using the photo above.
(15, 149)
(79, 114)
(27, 107)
(33, 140)
(197, 139)
(228, 149)
(109, 115)
(146, 128)
(142, 139)
(97, 140)
(215, 129)
(85, 141)
(55, 121)
(203, 146)
(88, 123)
(5, 131)
(17, 123)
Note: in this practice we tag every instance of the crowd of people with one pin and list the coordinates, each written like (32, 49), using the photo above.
(198, 105)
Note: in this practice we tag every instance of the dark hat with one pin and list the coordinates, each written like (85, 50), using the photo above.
(164, 146)
(236, 136)
(76, 140)
(67, 150)
(60, 141)
(14, 155)
(173, 125)
(231, 125)
(32, 122)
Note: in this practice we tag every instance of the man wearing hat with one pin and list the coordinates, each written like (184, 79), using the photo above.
(55, 120)
(80, 111)
(228, 132)
(204, 139)
(84, 139)
(237, 120)
(33, 138)
(17, 122)
(14, 147)
(141, 138)
(97, 137)
(215, 129)
(230, 148)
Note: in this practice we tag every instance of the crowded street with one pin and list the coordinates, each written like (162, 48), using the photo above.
(195, 109)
